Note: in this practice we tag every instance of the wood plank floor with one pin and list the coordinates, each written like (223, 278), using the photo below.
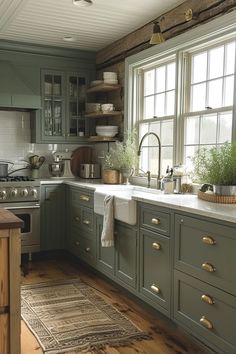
(166, 337)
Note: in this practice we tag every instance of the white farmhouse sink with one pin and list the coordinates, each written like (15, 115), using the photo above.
(124, 205)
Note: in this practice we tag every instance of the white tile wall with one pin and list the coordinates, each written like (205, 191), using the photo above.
(15, 142)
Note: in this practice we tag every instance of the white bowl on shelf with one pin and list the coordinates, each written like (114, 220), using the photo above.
(110, 82)
(107, 134)
(107, 127)
(110, 75)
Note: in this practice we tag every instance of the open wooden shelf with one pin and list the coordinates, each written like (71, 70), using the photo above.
(98, 139)
(101, 114)
(103, 88)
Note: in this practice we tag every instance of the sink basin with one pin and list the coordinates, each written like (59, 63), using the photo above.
(124, 206)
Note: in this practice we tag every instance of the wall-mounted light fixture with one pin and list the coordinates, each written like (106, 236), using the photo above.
(82, 3)
(157, 36)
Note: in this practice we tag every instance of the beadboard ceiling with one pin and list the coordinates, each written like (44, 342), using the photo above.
(46, 22)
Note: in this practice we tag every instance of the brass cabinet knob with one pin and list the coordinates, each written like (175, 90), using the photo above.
(86, 222)
(156, 246)
(208, 267)
(155, 288)
(76, 218)
(76, 243)
(208, 240)
(87, 249)
(156, 221)
(205, 322)
(85, 198)
(208, 299)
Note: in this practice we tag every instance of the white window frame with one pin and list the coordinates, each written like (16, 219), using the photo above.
(211, 32)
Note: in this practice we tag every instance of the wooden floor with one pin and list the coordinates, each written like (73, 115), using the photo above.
(166, 338)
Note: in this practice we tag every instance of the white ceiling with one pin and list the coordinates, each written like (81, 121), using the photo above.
(46, 22)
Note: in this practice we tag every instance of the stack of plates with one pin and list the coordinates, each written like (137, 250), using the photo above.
(110, 78)
(107, 130)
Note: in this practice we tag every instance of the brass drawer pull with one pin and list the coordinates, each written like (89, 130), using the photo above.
(85, 198)
(155, 289)
(87, 249)
(76, 243)
(86, 222)
(206, 323)
(208, 240)
(156, 246)
(156, 221)
(208, 267)
(76, 218)
(208, 299)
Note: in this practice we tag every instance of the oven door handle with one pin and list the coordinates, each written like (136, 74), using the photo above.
(37, 206)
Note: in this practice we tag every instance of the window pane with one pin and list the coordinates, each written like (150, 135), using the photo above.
(216, 61)
(170, 103)
(225, 129)
(160, 105)
(149, 79)
(215, 93)
(199, 64)
(192, 130)
(170, 76)
(229, 91)
(230, 58)
(167, 128)
(189, 152)
(198, 97)
(155, 128)
(148, 107)
(208, 126)
(160, 79)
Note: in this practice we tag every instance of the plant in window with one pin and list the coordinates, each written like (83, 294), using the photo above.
(217, 166)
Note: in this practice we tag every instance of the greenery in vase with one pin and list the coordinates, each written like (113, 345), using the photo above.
(216, 166)
(124, 154)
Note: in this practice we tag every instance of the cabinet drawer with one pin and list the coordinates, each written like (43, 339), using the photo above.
(82, 197)
(155, 219)
(155, 268)
(206, 250)
(84, 248)
(82, 218)
(208, 312)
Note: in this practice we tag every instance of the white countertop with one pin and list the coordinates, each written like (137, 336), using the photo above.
(182, 202)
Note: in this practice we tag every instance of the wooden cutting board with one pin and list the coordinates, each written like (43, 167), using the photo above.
(82, 154)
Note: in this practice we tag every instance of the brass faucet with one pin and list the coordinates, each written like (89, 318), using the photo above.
(159, 154)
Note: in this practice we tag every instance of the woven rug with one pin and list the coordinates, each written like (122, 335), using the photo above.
(69, 316)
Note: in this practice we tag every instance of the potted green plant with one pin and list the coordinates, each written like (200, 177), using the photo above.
(110, 172)
(217, 166)
(123, 157)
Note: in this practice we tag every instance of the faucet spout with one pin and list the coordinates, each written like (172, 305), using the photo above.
(159, 150)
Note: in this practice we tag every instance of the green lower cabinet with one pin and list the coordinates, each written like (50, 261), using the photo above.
(52, 217)
(82, 245)
(105, 255)
(126, 254)
(155, 274)
(205, 311)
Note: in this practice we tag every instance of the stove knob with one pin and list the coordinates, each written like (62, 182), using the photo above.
(34, 193)
(3, 194)
(14, 192)
(24, 192)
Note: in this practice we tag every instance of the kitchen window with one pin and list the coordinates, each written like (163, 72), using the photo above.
(184, 91)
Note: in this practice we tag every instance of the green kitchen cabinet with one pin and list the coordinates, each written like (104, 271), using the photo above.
(126, 253)
(155, 270)
(52, 217)
(105, 255)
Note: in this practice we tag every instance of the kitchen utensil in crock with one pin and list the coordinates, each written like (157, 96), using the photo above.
(4, 168)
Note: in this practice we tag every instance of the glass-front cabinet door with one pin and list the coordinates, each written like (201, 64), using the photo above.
(53, 114)
(77, 127)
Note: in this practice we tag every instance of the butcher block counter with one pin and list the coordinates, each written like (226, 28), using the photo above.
(10, 282)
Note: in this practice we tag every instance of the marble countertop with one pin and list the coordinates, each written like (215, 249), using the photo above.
(181, 202)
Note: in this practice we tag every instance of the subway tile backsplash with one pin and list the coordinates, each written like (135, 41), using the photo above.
(16, 146)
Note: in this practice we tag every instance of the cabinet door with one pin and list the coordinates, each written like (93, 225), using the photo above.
(52, 217)
(53, 101)
(105, 255)
(126, 254)
(155, 268)
(4, 261)
(4, 334)
(77, 125)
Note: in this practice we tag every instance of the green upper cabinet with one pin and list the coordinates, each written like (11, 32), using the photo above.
(64, 98)
(19, 85)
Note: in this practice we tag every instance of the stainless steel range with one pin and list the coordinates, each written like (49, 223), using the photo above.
(21, 195)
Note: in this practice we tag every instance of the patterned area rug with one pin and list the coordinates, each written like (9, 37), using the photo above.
(69, 315)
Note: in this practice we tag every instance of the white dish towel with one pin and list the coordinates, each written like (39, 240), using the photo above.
(107, 237)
